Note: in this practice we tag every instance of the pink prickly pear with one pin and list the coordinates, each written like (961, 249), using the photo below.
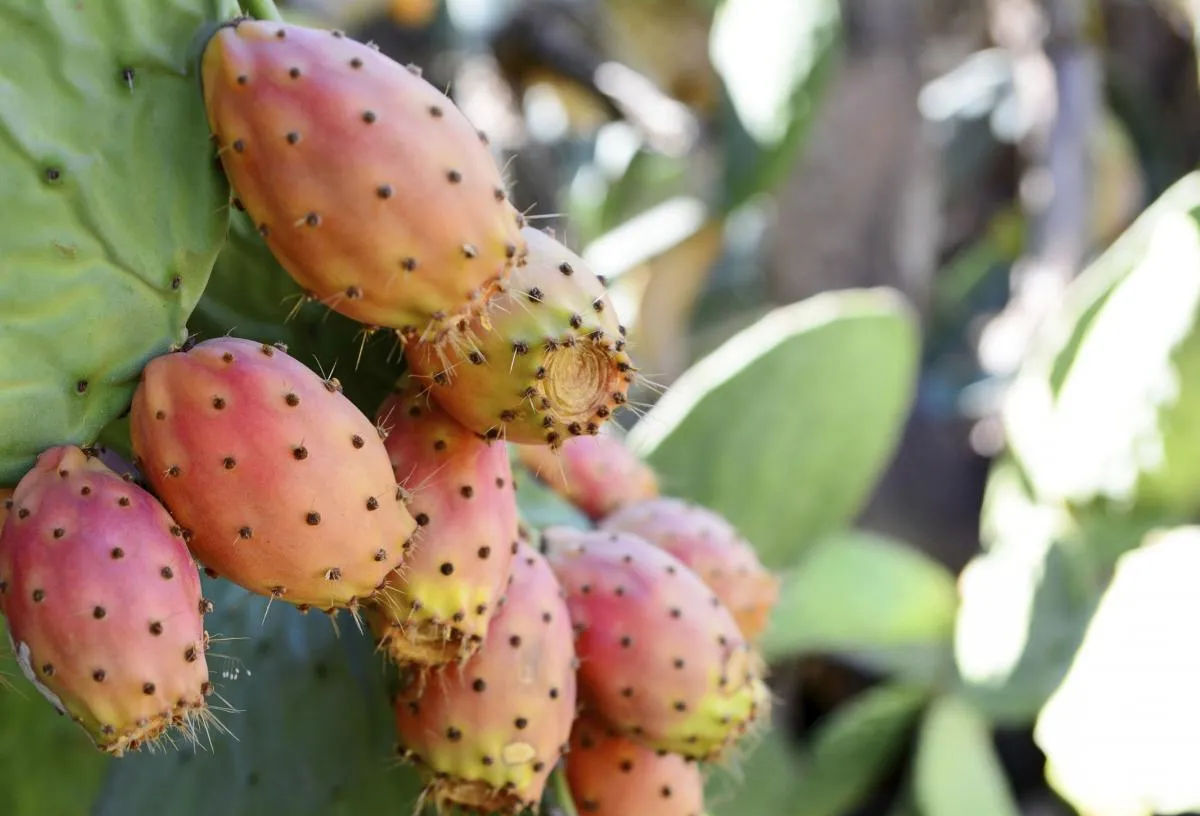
(611, 775)
(662, 658)
(369, 185)
(103, 602)
(544, 362)
(489, 731)
(280, 483)
(462, 496)
(597, 474)
(711, 546)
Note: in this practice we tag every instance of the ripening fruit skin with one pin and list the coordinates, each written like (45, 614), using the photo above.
(597, 474)
(662, 659)
(103, 602)
(461, 493)
(611, 775)
(711, 546)
(489, 731)
(280, 483)
(545, 361)
(370, 187)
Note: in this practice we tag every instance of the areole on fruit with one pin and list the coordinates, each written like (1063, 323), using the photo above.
(544, 362)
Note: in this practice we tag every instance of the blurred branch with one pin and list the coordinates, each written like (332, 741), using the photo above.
(1058, 83)
(860, 207)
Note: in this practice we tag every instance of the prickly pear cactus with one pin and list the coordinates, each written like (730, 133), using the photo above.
(114, 208)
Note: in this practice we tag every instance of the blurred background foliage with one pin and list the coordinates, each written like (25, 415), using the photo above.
(920, 280)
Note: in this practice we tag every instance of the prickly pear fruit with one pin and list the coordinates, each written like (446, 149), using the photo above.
(662, 658)
(711, 546)
(103, 602)
(611, 775)
(280, 483)
(369, 185)
(462, 495)
(544, 362)
(597, 474)
(489, 731)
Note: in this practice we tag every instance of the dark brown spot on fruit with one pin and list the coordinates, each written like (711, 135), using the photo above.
(422, 519)
(368, 116)
(435, 111)
(484, 552)
(299, 453)
(98, 675)
(156, 628)
(453, 176)
(292, 137)
(98, 612)
(514, 641)
(167, 573)
(294, 72)
(447, 568)
(356, 63)
(453, 734)
(520, 723)
(466, 491)
(313, 518)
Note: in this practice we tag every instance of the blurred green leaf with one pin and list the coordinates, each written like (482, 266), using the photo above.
(848, 753)
(957, 771)
(857, 590)
(251, 296)
(48, 765)
(312, 731)
(1122, 732)
(786, 427)
(762, 781)
(1025, 601)
(774, 59)
(1107, 406)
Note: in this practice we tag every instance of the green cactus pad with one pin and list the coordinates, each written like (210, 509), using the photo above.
(114, 208)
(785, 428)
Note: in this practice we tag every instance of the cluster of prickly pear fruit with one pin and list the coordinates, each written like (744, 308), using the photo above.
(380, 199)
